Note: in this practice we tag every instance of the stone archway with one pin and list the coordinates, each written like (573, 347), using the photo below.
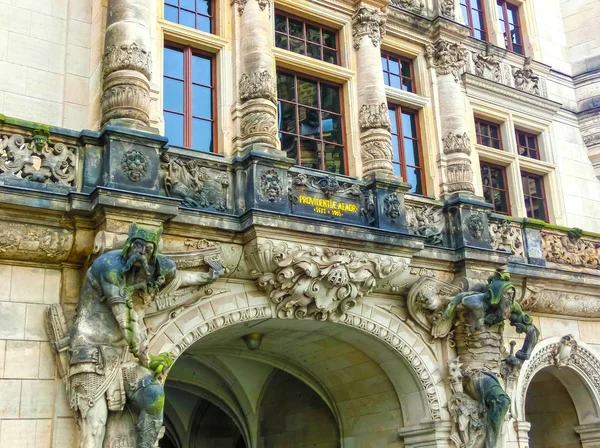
(403, 355)
(572, 366)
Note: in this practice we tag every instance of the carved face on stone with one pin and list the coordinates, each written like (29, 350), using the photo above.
(138, 256)
(39, 143)
(475, 226)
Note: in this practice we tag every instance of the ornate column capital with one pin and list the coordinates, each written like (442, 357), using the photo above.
(368, 21)
(446, 57)
(264, 5)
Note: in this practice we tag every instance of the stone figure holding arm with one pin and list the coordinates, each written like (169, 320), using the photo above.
(104, 359)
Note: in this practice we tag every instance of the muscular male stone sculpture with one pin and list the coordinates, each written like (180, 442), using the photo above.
(476, 320)
(105, 360)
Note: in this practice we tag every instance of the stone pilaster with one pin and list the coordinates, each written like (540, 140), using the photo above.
(448, 58)
(368, 28)
(127, 63)
(257, 84)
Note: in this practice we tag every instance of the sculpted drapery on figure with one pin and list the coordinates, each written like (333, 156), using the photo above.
(104, 359)
(474, 320)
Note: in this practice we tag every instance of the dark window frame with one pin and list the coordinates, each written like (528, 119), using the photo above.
(529, 197)
(528, 149)
(469, 19)
(508, 43)
(398, 109)
(306, 22)
(479, 136)
(401, 60)
(211, 17)
(188, 117)
(502, 169)
(297, 104)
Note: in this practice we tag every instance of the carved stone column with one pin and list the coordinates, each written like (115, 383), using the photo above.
(257, 84)
(448, 58)
(127, 63)
(368, 28)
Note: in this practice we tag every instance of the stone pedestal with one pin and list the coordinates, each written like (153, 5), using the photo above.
(127, 64)
(522, 429)
(368, 28)
(468, 221)
(257, 84)
(388, 193)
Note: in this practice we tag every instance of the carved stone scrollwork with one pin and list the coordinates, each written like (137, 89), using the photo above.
(127, 57)
(446, 57)
(37, 160)
(569, 250)
(198, 186)
(258, 85)
(319, 283)
(258, 123)
(507, 237)
(525, 79)
(135, 164)
(457, 143)
(270, 187)
(28, 241)
(327, 185)
(427, 221)
(376, 151)
(373, 116)
(411, 5)
(487, 65)
(447, 8)
(368, 22)
(392, 207)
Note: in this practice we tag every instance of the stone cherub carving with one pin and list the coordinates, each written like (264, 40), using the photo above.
(475, 321)
(104, 359)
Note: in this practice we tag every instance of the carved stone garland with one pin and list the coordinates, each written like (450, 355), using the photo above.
(38, 161)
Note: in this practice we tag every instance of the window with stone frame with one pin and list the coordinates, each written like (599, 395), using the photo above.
(488, 134)
(398, 72)
(495, 187)
(189, 98)
(474, 16)
(535, 196)
(407, 157)
(527, 145)
(508, 15)
(311, 126)
(307, 38)
(198, 14)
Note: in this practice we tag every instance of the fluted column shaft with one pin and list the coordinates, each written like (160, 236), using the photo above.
(376, 141)
(127, 62)
(257, 84)
(448, 58)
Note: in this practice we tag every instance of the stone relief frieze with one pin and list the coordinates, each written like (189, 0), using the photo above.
(135, 164)
(127, 57)
(507, 237)
(28, 241)
(411, 5)
(447, 8)
(526, 80)
(328, 185)
(319, 283)
(37, 160)
(373, 116)
(456, 143)
(128, 100)
(258, 85)
(487, 64)
(570, 249)
(446, 57)
(368, 22)
(534, 297)
(427, 221)
(198, 186)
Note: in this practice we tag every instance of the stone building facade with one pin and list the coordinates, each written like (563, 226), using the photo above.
(353, 167)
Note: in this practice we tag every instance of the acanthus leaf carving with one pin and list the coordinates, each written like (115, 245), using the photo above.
(258, 85)
(457, 143)
(459, 176)
(38, 161)
(319, 283)
(446, 57)
(368, 22)
(507, 237)
(427, 221)
(374, 116)
(127, 57)
(198, 186)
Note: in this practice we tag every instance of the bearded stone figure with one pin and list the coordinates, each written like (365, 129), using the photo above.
(474, 320)
(104, 359)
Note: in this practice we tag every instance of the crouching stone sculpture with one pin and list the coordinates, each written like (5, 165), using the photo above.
(475, 322)
(104, 359)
